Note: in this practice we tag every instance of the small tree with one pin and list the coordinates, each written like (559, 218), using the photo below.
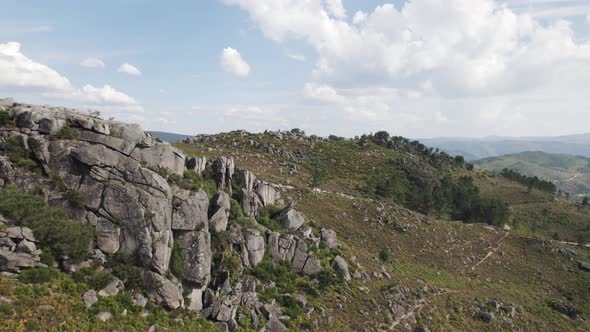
(585, 201)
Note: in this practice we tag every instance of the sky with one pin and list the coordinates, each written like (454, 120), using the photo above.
(416, 68)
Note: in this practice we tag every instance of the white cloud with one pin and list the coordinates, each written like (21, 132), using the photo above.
(588, 18)
(359, 17)
(296, 57)
(92, 63)
(336, 9)
(232, 62)
(21, 74)
(129, 69)
(18, 71)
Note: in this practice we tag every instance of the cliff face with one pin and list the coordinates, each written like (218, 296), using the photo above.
(130, 187)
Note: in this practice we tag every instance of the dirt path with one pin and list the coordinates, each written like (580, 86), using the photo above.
(491, 252)
(572, 178)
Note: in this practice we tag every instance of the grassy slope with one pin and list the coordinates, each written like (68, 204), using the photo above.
(572, 173)
(437, 254)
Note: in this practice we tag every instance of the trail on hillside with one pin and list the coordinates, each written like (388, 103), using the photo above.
(573, 177)
(491, 252)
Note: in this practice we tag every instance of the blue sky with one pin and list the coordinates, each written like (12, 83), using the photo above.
(418, 69)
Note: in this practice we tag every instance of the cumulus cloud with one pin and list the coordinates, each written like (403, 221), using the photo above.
(129, 69)
(232, 63)
(336, 9)
(423, 53)
(92, 63)
(21, 74)
(588, 18)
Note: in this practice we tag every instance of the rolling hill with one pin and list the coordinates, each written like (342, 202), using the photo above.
(570, 173)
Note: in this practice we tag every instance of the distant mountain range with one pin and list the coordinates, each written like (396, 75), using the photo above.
(169, 137)
(570, 173)
(478, 148)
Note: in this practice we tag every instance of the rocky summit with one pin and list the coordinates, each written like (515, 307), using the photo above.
(105, 227)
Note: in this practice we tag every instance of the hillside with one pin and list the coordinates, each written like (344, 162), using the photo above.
(479, 148)
(168, 137)
(277, 230)
(570, 173)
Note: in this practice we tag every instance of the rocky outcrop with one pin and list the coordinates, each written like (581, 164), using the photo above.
(219, 212)
(223, 170)
(291, 219)
(190, 211)
(18, 250)
(196, 248)
(167, 291)
(329, 238)
(196, 164)
(340, 265)
(255, 246)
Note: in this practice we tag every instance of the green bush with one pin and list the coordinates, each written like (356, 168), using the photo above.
(385, 255)
(63, 237)
(6, 119)
(95, 279)
(191, 180)
(267, 216)
(38, 275)
(128, 269)
(235, 210)
(5, 309)
(176, 260)
(67, 132)
(74, 198)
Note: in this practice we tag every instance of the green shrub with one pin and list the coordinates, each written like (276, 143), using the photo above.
(32, 324)
(26, 163)
(128, 269)
(5, 309)
(385, 255)
(15, 151)
(95, 279)
(74, 198)
(235, 210)
(267, 216)
(47, 258)
(38, 275)
(63, 237)
(176, 260)
(6, 119)
(67, 132)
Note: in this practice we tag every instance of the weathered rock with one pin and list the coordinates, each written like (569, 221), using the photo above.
(197, 164)
(168, 292)
(196, 299)
(274, 325)
(104, 316)
(487, 317)
(329, 238)
(18, 233)
(223, 170)
(340, 265)
(163, 155)
(27, 247)
(565, 309)
(108, 237)
(267, 194)
(255, 246)
(584, 266)
(15, 261)
(112, 289)
(281, 247)
(139, 300)
(290, 218)
(313, 265)
(250, 203)
(196, 247)
(7, 244)
(246, 180)
(220, 206)
(190, 211)
(234, 234)
(90, 298)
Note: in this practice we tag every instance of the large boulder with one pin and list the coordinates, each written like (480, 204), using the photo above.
(190, 211)
(281, 247)
(197, 165)
(255, 246)
(291, 219)
(163, 155)
(250, 203)
(267, 194)
(246, 180)
(15, 261)
(219, 212)
(329, 238)
(340, 265)
(223, 171)
(196, 256)
(167, 292)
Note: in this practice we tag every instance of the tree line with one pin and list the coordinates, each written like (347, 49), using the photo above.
(529, 181)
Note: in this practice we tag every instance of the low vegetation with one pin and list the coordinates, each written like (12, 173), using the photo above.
(529, 181)
(52, 229)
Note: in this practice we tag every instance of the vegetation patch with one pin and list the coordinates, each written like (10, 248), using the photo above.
(6, 119)
(63, 237)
